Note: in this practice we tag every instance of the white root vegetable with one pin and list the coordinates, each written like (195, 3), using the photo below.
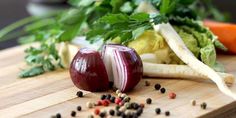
(177, 45)
(179, 71)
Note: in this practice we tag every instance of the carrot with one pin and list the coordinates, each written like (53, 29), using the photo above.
(226, 33)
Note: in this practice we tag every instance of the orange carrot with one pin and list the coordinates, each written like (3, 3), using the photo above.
(226, 33)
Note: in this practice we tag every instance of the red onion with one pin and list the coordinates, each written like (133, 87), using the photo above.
(88, 71)
(120, 64)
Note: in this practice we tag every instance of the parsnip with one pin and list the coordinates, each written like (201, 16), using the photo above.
(180, 49)
(179, 71)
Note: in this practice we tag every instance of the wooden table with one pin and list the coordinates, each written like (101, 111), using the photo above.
(54, 92)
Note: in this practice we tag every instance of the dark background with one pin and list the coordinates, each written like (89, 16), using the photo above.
(13, 10)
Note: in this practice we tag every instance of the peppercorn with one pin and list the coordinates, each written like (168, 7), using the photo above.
(117, 100)
(96, 111)
(118, 113)
(121, 103)
(99, 102)
(172, 95)
(73, 114)
(117, 108)
(163, 90)
(167, 113)
(111, 84)
(158, 110)
(112, 99)
(135, 115)
(118, 91)
(103, 97)
(79, 94)
(123, 115)
(157, 86)
(119, 95)
(139, 112)
(149, 101)
(127, 112)
(147, 83)
(108, 96)
(134, 105)
(79, 108)
(89, 105)
(90, 116)
(126, 99)
(102, 114)
(122, 109)
(142, 105)
(127, 105)
(193, 102)
(123, 95)
(105, 102)
(112, 112)
(203, 105)
(58, 115)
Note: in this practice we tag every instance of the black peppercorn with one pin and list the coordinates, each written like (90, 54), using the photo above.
(79, 94)
(163, 90)
(167, 113)
(157, 86)
(111, 85)
(135, 115)
(79, 108)
(123, 115)
(73, 114)
(102, 114)
(203, 105)
(108, 96)
(134, 105)
(112, 112)
(118, 113)
(117, 108)
(158, 110)
(149, 101)
(147, 83)
(112, 99)
(103, 97)
(58, 115)
(139, 112)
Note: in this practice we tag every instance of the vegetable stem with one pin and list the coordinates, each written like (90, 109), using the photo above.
(14, 26)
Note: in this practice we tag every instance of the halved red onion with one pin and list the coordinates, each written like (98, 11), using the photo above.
(88, 71)
(123, 65)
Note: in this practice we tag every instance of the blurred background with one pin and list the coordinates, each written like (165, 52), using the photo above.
(13, 10)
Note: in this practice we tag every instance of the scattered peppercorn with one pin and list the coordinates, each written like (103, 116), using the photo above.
(118, 113)
(147, 83)
(149, 101)
(103, 97)
(112, 112)
(117, 108)
(73, 113)
(111, 84)
(163, 90)
(122, 109)
(121, 103)
(193, 102)
(123, 115)
(58, 115)
(127, 105)
(139, 112)
(102, 114)
(112, 99)
(167, 113)
(158, 110)
(172, 95)
(89, 105)
(99, 102)
(79, 108)
(126, 99)
(135, 115)
(96, 111)
(90, 116)
(142, 105)
(123, 95)
(203, 105)
(105, 102)
(157, 86)
(108, 96)
(117, 100)
(79, 94)
(119, 95)
(134, 105)
(118, 91)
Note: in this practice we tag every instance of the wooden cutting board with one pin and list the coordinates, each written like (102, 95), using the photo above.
(54, 92)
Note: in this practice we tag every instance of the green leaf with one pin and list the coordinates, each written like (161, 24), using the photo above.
(168, 6)
(140, 17)
(114, 18)
(81, 3)
(31, 72)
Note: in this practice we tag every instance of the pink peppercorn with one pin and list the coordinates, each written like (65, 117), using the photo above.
(172, 95)
(96, 111)
(117, 101)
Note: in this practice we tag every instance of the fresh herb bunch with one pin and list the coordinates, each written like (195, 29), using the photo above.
(97, 19)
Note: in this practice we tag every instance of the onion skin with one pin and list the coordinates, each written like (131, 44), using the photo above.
(127, 64)
(88, 71)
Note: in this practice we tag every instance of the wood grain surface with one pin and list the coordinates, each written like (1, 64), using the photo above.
(54, 92)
